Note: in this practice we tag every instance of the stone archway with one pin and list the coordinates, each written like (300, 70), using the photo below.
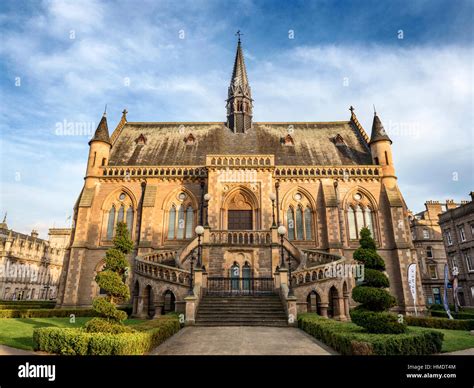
(333, 307)
(135, 296)
(313, 301)
(240, 210)
(169, 302)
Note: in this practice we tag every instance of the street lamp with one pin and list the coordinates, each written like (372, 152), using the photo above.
(207, 198)
(290, 288)
(282, 231)
(273, 198)
(277, 187)
(191, 280)
(199, 231)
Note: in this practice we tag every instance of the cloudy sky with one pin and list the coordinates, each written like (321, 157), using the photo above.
(61, 62)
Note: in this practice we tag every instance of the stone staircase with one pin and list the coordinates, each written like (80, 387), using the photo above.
(264, 310)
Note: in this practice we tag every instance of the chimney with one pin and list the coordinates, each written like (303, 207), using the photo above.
(472, 195)
(450, 204)
(434, 209)
(34, 233)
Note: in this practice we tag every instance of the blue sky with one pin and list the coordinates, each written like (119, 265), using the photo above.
(62, 61)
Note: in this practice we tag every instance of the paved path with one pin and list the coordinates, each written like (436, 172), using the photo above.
(464, 352)
(9, 351)
(242, 340)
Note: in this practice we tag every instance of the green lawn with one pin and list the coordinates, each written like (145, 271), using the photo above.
(18, 332)
(453, 339)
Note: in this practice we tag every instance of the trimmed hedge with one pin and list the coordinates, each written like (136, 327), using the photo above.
(15, 305)
(349, 339)
(381, 322)
(46, 313)
(440, 323)
(460, 315)
(79, 342)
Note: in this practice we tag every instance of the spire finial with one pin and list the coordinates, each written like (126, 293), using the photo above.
(238, 33)
(351, 108)
(105, 111)
(5, 218)
(375, 111)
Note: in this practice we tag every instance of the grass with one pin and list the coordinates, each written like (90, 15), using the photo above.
(18, 332)
(453, 339)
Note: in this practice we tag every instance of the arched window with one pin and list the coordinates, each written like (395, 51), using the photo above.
(120, 214)
(299, 223)
(111, 224)
(181, 225)
(129, 219)
(299, 218)
(189, 222)
(352, 224)
(171, 222)
(308, 224)
(291, 224)
(360, 215)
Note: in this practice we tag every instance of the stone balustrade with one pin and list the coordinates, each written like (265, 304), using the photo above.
(316, 257)
(316, 273)
(162, 272)
(161, 257)
(150, 171)
(345, 172)
(241, 237)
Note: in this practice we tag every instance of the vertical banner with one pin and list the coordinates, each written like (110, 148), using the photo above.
(445, 295)
(412, 283)
(455, 273)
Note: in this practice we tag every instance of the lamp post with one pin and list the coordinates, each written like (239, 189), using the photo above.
(277, 187)
(207, 198)
(199, 231)
(282, 232)
(273, 198)
(191, 280)
(290, 288)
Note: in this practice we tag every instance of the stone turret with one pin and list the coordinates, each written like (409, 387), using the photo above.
(99, 150)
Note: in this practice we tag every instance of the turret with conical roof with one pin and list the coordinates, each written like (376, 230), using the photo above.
(380, 148)
(99, 150)
(239, 101)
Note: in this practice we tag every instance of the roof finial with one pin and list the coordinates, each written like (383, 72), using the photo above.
(351, 109)
(238, 33)
(375, 111)
(105, 111)
(5, 218)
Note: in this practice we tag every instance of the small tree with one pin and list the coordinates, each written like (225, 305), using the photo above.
(372, 295)
(111, 280)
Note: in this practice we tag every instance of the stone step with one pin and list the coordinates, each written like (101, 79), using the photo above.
(231, 309)
(243, 314)
(271, 324)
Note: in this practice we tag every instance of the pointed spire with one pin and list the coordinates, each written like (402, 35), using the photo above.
(378, 131)
(239, 101)
(102, 131)
(239, 83)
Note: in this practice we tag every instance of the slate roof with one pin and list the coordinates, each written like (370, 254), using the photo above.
(378, 131)
(102, 131)
(314, 143)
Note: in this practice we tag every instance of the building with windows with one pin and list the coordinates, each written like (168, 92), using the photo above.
(428, 242)
(240, 180)
(457, 227)
(30, 267)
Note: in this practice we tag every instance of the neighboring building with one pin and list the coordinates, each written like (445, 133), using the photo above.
(30, 266)
(428, 241)
(457, 226)
(330, 179)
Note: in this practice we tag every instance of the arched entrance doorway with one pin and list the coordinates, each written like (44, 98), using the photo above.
(135, 295)
(240, 210)
(313, 302)
(169, 305)
(149, 307)
(235, 277)
(333, 308)
(246, 275)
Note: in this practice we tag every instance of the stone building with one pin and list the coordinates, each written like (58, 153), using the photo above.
(428, 242)
(239, 179)
(457, 227)
(30, 266)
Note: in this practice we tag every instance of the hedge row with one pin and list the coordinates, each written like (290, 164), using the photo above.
(459, 315)
(26, 304)
(441, 323)
(78, 342)
(46, 313)
(349, 339)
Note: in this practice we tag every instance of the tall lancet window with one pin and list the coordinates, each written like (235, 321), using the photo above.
(189, 222)
(299, 223)
(181, 223)
(129, 219)
(171, 222)
(120, 214)
(291, 224)
(111, 224)
(360, 215)
(308, 221)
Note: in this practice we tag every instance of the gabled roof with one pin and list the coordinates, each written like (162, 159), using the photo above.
(313, 143)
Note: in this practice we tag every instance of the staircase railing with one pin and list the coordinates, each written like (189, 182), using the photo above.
(152, 269)
(240, 237)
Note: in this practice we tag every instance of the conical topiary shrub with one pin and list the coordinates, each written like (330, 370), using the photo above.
(372, 295)
(111, 280)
